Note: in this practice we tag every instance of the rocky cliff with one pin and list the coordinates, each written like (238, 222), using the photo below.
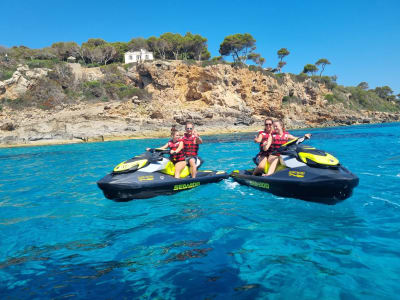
(218, 98)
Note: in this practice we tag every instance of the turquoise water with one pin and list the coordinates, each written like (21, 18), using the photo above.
(60, 238)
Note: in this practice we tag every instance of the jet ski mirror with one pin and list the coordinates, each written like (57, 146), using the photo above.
(300, 140)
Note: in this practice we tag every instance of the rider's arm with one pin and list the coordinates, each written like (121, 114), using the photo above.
(180, 147)
(292, 137)
(258, 138)
(267, 144)
(198, 138)
(163, 147)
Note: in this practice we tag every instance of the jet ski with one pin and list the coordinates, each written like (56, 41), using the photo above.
(151, 174)
(304, 173)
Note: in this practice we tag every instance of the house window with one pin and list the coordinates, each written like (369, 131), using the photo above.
(137, 57)
(130, 57)
(146, 56)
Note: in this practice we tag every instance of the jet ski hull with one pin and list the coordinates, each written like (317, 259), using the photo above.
(141, 185)
(328, 186)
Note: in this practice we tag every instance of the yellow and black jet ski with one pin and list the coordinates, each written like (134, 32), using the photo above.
(151, 174)
(305, 173)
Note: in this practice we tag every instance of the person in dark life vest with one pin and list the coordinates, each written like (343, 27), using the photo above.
(262, 139)
(177, 155)
(279, 137)
(191, 141)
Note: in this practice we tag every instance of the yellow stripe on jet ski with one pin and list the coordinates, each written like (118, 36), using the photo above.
(126, 166)
(328, 159)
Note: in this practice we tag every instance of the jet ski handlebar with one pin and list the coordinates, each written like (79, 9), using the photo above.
(158, 151)
(287, 146)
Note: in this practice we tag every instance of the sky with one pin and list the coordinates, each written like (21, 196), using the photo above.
(361, 38)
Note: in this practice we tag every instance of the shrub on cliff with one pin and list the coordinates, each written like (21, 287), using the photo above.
(46, 94)
(39, 63)
(357, 98)
(7, 70)
(92, 89)
(63, 75)
(329, 82)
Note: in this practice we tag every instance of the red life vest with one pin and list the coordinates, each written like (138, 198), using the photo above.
(278, 141)
(265, 136)
(180, 156)
(190, 146)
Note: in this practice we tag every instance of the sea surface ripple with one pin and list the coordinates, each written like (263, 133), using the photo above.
(60, 238)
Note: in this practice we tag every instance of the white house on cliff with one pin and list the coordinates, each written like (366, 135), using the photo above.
(138, 56)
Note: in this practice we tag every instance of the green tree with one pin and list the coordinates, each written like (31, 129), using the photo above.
(256, 58)
(363, 85)
(136, 44)
(384, 92)
(121, 48)
(175, 42)
(239, 46)
(107, 53)
(322, 62)
(310, 68)
(94, 42)
(22, 52)
(63, 50)
(283, 52)
(205, 54)
(197, 46)
(159, 46)
(281, 64)
(217, 58)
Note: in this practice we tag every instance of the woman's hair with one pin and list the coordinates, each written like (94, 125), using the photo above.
(280, 122)
(268, 119)
(173, 130)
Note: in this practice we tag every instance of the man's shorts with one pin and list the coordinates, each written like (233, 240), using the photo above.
(258, 158)
(190, 157)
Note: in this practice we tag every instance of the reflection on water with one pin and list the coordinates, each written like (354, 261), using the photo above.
(61, 238)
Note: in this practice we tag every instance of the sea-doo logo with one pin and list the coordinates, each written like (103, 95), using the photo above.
(146, 178)
(186, 186)
(296, 174)
(263, 185)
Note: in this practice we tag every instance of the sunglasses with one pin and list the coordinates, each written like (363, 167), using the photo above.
(189, 128)
(268, 124)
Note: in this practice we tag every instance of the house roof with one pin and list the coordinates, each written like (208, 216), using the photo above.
(139, 52)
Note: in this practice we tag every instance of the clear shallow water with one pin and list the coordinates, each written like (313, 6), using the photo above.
(60, 238)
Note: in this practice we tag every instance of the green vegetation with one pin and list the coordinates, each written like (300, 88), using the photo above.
(239, 46)
(42, 63)
(357, 98)
(310, 69)
(282, 53)
(322, 62)
(60, 86)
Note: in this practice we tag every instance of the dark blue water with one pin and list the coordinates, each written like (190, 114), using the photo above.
(60, 238)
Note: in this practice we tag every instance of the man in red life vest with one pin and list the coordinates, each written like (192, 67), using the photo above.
(191, 141)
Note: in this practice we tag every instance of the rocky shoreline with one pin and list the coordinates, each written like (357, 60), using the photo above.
(217, 99)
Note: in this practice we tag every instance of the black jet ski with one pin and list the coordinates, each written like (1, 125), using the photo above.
(151, 174)
(305, 173)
